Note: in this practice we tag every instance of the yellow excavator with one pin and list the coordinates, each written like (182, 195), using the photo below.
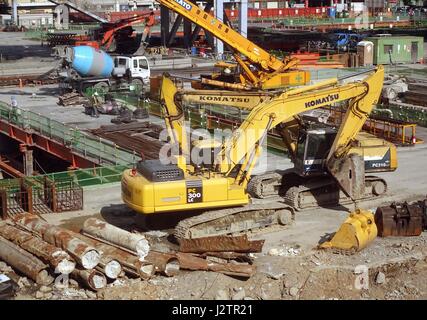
(300, 187)
(220, 187)
(258, 69)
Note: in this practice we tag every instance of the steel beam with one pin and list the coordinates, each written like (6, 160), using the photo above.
(174, 29)
(164, 25)
(15, 12)
(53, 147)
(187, 34)
(219, 14)
(10, 170)
(243, 18)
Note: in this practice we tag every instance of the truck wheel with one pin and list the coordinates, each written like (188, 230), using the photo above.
(101, 87)
(85, 89)
(137, 85)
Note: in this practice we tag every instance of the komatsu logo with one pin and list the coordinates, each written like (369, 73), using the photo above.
(223, 99)
(184, 4)
(330, 98)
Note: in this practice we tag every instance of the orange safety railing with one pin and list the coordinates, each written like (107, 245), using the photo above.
(393, 130)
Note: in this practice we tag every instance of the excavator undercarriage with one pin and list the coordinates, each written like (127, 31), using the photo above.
(303, 193)
(251, 218)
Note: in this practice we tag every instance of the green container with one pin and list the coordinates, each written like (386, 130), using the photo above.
(398, 49)
(345, 14)
(339, 15)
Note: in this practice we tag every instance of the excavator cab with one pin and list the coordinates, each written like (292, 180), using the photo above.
(313, 146)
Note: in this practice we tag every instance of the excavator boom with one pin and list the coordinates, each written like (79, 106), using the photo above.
(224, 33)
(293, 102)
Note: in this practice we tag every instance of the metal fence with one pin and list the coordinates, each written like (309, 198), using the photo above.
(92, 176)
(418, 19)
(98, 150)
(63, 195)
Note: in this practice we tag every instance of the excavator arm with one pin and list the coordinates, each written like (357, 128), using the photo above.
(173, 115)
(361, 96)
(242, 149)
(348, 169)
(112, 29)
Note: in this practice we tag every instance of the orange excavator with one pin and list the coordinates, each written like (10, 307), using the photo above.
(109, 34)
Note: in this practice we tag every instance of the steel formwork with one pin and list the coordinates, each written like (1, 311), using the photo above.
(39, 196)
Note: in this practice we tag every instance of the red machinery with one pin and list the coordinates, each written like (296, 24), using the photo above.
(107, 35)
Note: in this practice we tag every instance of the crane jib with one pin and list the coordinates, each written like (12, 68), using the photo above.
(184, 4)
(328, 98)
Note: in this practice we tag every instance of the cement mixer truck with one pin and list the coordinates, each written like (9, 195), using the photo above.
(86, 68)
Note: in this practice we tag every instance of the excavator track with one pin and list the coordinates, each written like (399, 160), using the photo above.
(302, 193)
(252, 218)
(264, 185)
(326, 192)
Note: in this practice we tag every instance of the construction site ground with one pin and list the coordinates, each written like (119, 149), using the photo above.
(289, 266)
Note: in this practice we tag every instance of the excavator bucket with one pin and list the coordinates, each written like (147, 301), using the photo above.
(357, 232)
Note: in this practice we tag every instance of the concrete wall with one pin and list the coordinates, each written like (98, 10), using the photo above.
(35, 20)
(5, 19)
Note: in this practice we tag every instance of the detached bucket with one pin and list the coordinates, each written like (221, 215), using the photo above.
(356, 233)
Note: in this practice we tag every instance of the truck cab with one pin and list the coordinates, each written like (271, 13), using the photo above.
(135, 67)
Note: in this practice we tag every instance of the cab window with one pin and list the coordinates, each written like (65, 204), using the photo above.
(120, 62)
(135, 63)
(319, 145)
(143, 64)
